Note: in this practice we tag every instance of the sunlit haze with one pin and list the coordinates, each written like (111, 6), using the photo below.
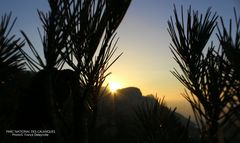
(143, 38)
(114, 86)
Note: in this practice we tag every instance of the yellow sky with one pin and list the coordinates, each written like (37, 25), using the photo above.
(147, 61)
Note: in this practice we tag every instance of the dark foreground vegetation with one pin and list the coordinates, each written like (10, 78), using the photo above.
(209, 72)
(37, 93)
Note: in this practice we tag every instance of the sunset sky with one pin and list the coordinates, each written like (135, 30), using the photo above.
(146, 61)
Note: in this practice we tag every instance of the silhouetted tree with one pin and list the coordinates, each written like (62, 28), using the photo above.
(11, 60)
(44, 89)
(11, 64)
(206, 74)
(92, 25)
(79, 33)
(230, 42)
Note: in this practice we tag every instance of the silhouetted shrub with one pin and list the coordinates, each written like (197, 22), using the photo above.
(157, 123)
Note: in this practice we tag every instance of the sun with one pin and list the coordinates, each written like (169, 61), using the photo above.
(114, 86)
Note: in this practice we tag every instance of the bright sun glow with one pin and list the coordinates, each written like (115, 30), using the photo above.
(113, 86)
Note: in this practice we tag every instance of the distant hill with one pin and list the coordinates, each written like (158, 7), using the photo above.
(130, 92)
(117, 112)
(126, 100)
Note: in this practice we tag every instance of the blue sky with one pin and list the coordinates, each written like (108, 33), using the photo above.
(144, 40)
